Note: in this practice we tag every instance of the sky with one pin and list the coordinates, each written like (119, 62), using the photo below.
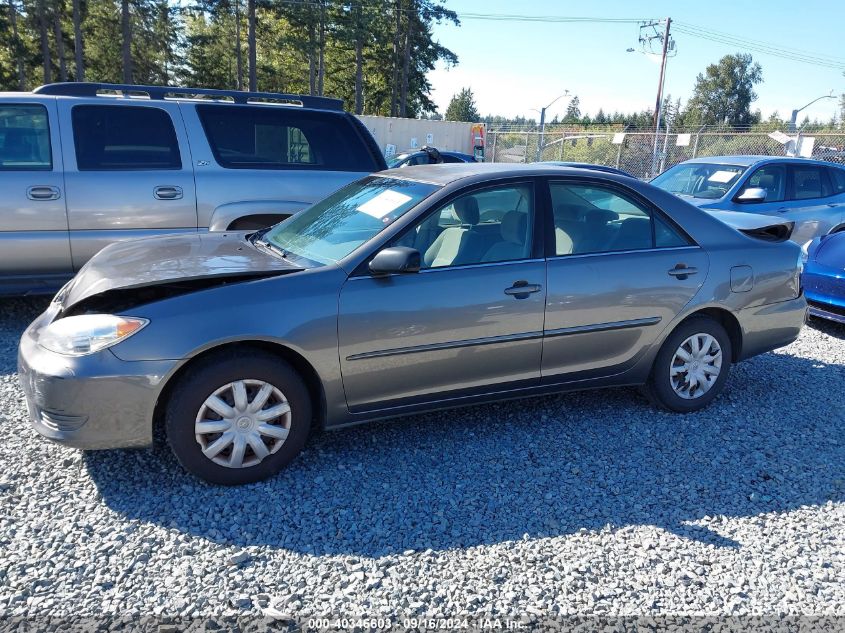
(514, 67)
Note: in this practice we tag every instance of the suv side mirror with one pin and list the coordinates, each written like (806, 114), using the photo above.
(396, 259)
(752, 194)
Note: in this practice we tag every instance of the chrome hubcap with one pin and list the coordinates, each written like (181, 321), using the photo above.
(695, 366)
(242, 423)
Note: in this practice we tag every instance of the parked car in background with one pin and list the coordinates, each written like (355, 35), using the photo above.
(429, 156)
(809, 193)
(824, 277)
(83, 165)
(409, 290)
(604, 168)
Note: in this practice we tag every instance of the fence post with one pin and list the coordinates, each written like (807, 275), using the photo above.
(525, 155)
(495, 136)
(697, 136)
(618, 155)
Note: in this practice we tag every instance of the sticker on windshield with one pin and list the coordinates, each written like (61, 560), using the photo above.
(722, 176)
(384, 203)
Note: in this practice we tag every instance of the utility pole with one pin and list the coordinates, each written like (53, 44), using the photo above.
(658, 107)
(542, 112)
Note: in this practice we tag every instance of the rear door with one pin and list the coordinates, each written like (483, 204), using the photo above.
(619, 272)
(810, 202)
(263, 162)
(128, 172)
(34, 247)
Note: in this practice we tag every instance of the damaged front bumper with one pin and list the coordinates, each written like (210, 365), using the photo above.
(96, 401)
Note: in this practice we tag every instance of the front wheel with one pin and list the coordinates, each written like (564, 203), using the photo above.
(238, 417)
(692, 366)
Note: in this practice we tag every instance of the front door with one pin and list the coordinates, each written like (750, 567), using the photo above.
(128, 173)
(620, 274)
(470, 321)
(34, 247)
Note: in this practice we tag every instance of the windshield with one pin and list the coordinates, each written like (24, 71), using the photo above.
(332, 228)
(700, 180)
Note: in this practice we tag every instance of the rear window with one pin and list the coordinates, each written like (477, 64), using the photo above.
(275, 137)
(115, 138)
(837, 179)
(808, 182)
(24, 138)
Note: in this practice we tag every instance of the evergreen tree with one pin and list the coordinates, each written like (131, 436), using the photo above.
(462, 107)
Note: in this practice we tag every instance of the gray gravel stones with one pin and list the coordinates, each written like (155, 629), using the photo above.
(588, 503)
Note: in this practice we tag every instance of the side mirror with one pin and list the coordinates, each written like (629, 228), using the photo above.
(396, 259)
(752, 194)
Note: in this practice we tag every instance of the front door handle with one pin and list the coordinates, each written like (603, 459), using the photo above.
(43, 192)
(682, 271)
(168, 192)
(521, 289)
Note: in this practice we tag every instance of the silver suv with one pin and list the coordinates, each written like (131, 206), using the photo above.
(83, 165)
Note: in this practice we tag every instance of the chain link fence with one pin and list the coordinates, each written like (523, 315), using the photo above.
(634, 152)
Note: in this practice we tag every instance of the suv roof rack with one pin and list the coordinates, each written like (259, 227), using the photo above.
(92, 89)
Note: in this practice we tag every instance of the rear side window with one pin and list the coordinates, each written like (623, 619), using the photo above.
(837, 179)
(24, 138)
(124, 138)
(808, 182)
(277, 137)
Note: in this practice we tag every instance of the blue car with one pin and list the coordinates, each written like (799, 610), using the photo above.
(428, 156)
(809, 193)
(824, 277)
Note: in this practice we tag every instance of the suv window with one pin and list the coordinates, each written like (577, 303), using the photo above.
(808, 182)
(837, 179)
(24, 138)
(772, 178)
(124, 138)
(280, 137)
(593, 219)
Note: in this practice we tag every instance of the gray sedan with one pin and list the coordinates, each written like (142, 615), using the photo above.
(410, 290)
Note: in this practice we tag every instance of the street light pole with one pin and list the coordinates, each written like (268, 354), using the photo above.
(658, 106)
(794, 118)
(543, 124)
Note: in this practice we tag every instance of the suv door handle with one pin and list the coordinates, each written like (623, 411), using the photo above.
(681, 271)
(43, 192)
(521, 289)
(168, 192)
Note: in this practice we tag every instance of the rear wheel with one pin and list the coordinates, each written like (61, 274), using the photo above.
(237, 418)
(691, 367)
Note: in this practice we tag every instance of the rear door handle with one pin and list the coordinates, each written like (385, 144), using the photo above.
(168, 192)
(521, 289)
(43, 192)
(682, 271)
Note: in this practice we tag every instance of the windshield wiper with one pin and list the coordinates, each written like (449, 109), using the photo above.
(256, 241)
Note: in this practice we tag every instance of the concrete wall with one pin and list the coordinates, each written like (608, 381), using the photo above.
(402, 133)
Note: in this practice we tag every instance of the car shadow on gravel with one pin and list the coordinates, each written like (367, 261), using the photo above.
(831, 328)
(549, 466)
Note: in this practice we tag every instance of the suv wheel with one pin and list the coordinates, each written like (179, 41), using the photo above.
(238, 418)
(691, 367)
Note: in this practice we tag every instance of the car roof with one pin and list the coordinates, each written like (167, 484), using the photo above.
(447, 173)
(746, 160)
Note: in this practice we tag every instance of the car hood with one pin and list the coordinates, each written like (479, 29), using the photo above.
(146, 262)
(831, 251)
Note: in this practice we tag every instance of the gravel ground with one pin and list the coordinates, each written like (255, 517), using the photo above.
(589, 503)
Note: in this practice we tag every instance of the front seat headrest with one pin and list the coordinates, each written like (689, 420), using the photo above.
(466, 209)
(514, 225)
(601, 216)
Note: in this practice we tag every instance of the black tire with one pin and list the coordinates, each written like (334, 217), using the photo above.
(209, 375)
(659, 389)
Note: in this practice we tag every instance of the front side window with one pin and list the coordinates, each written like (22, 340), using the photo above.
(772, 178)
(808, 182)
(594, 219)
(282, 137)
(699, 180)
(487, 226)
(24, 138)
(334, 227)
(124, 138)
